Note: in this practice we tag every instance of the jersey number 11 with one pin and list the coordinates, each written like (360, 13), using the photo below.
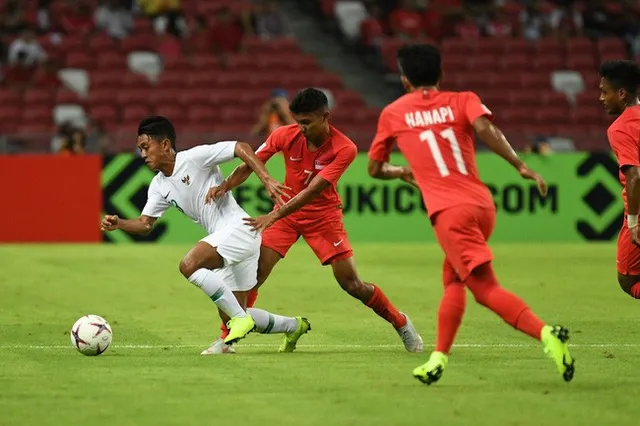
(447, 134)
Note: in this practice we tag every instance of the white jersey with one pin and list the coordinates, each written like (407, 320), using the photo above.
(196, 170)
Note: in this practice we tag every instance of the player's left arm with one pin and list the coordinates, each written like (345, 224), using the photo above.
(380, 154)
(275, 189)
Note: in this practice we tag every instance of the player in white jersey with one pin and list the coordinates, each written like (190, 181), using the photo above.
(223, 264)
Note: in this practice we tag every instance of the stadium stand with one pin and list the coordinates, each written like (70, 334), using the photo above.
(106, 64)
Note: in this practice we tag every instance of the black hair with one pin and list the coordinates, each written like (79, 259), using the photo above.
(309, 100)
(158, 128)
(622, 74)
(420, 63)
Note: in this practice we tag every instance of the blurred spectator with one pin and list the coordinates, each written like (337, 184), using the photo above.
(60, 140)
(532, 22)
(468, 28)
(565, 19)
(166, 16)
(114, 18)
(28, 44)
(405, 21)
(20, 73)
(274, 113)
(168, 46)
(498, 25)
(47, 75)
(270, 21)
(596, 20)
(200, 36)
(97, 140)
(13, 18)
(371, 31)
(226, 34)
(43, 15)
(78, 19)
(631, 31)
(74, 143)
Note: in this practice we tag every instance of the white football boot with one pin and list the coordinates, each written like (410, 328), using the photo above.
(218, 348)
(410, 337)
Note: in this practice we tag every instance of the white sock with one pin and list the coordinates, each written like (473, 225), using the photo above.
(214, 287)
(267, 322)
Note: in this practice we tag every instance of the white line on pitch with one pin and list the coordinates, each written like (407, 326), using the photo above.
(462, 345)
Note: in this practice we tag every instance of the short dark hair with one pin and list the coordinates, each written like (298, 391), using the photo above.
(622, 74)
(158, 128)
(308, 100)
(420, 63)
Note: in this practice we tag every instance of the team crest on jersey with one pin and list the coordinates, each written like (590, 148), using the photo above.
(186, 180)
(320, 165)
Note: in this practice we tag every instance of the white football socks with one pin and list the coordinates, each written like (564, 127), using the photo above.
(213, 286)
(267, 323)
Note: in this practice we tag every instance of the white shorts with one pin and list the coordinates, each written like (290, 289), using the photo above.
(239, 246)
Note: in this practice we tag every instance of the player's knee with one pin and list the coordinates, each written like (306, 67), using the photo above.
(188, 266)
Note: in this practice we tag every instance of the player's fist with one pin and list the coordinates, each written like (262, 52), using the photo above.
(214, 193)
(109, 223)
(527, 173)
(409, 178)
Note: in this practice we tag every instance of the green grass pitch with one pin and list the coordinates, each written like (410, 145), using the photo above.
(349, 370)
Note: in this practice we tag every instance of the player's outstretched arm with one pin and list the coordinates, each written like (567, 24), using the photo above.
(275, 189)
(141, 225)
(304, 197)
(493, 137)
(632, 187)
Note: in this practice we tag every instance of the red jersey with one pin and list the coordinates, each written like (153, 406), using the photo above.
(624, 138)
(434, 131)
(329, 161)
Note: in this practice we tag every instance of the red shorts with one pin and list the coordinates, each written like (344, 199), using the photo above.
(326, 236)
(463, 232)
(628, 254)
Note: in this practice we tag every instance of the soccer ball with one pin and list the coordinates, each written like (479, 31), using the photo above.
(91, 335)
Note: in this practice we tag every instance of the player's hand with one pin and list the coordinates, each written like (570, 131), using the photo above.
(276, 191)
(109, 223)
(260, 223)
(410, 179)
(527, 173)
(215, 192)
(635, 235)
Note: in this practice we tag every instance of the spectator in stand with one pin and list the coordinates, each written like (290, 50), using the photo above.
(200, 36)
(274, 113)
(98, 141)
(78, 19)
(597, 21)
(166, 16)
(113, 17)
(47, 76)
(226, 34)
(565, 19)
(371, 28)
(631, 32)
(13, 18)
(406, 21)
(468, 28)
(532, 23)
(28, 44)
(61, 139)
(20, 73)
(270, 21)
(43, 15)
(74, 144)
(498, 26)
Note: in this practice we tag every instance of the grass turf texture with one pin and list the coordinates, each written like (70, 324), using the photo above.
(349, 370)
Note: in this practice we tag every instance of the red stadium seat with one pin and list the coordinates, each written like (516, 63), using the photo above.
(552, 115)
(587, 114)
(583, 62)
(516, 62)
(548, 46)
(175, 113)
(10, 113)
(494, 47)
(101, 43)
(163, 95)
(134, 97)
(104, 79)
(134, 80)
(102, 97)
(547, 63)
(459, 47)
(112, 61)
(37, 114)
(80, 60)
(525, 97)
(579, 45)
(536, 81)
(518, 46)
(202, 114)
(611, 46)
(38, 97)
(10, 97)
(195, 97)
(138, 42)
(104, 114)
(64, 96)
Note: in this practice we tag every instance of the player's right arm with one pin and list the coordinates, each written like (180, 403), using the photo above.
(141, 225)
(627, 151)
(243, 171)
(380, 154)
(478, 115)
(154, 208)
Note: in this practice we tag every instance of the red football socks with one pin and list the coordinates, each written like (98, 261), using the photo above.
(450, 315)
(384, 308)
(251, 301)
(485, 287)
(635, 291)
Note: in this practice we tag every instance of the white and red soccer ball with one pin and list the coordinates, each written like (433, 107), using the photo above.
(91, 335)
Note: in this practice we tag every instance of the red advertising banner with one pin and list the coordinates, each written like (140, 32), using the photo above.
(47, 198)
